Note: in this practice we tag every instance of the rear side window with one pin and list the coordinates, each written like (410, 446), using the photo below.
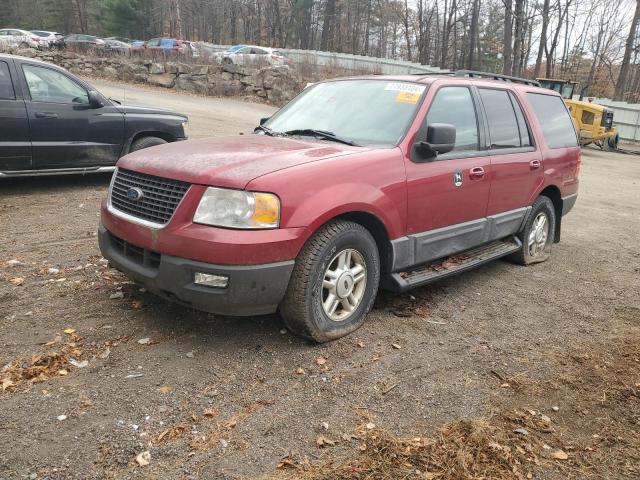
(525, 137)
(503, 125)
(554, 119)
(6, 86)
(454, 105)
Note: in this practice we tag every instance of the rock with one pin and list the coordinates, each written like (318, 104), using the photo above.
(193, 83)
(555, 409)
(199, 69)
(53, 271)
(116, 296)
(143, 459)
(545, 418)
(166, 80)
(156, 68)
(189, 354)
(13, 263)
(183, 68)
(61, 417)
(521, 431)
(171, 67)
(144, 341)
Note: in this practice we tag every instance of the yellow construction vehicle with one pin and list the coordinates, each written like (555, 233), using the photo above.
(593, 122)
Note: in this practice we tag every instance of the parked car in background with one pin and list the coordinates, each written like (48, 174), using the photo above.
(116, 46)
(14, 37)
(81, 41)
(391, 181)
(164, 46)
(52, 122)
(49, 39)
(120, 39)
(192, 49)
(255, 54)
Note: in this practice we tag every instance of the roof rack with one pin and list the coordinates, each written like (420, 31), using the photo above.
(496, 76)
(476, 74)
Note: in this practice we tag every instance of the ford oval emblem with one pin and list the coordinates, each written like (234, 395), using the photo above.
(135, 194)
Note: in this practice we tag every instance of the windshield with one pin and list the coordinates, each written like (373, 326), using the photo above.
(365, 112)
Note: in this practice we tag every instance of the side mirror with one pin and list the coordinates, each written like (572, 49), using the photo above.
(264, 120)
(441, 138)
(95, 100)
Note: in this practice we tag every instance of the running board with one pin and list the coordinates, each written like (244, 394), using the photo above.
(55, 171)
(449, 266)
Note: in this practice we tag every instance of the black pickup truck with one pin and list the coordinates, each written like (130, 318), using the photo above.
(52, 122)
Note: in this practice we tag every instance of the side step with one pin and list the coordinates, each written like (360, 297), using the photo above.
(449, 266)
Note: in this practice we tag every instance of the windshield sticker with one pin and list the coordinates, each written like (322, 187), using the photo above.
(405, 87)
(408, 97)
(407, 92)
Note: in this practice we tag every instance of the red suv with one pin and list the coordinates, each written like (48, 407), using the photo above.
(356, 183)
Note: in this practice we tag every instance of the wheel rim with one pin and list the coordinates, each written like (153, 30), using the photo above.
(343, 284)
(538, 235)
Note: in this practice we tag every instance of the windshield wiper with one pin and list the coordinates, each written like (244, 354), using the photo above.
(321, 133)
(266, 130)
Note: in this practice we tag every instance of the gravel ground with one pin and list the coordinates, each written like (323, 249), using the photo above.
(215, 397)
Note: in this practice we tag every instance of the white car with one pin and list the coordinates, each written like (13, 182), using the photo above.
(49, 39)
(253, 54)
(19, 38)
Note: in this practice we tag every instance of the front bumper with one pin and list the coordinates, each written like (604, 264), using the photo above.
(252, 289)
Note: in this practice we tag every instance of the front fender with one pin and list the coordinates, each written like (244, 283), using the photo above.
(336, 200)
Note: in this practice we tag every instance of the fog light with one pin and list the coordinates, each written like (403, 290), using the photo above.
(209, 280)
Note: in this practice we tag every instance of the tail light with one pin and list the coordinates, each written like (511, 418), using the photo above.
(35, 39)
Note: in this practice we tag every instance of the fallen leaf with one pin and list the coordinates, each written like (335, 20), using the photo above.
(322, 441)
(360, 344)
(137, 304)
(144, 458)
(300, 371)
(321, 361)
(78, 364)
(370, 426)
(17, 281)
(559, 455)
(210, 412)
(6, 384)
(396, 346)
(63, 372)
(165, 389)
(69, 331)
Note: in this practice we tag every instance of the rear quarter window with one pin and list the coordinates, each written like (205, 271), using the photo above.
(6, 86)
(554, 119)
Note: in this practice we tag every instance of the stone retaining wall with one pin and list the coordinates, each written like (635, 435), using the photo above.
(276, 85)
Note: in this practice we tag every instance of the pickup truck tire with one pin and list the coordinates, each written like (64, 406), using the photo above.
(333, 284)
(146, 142)
(538, 233)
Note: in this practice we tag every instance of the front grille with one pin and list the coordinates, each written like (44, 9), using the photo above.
(137, 254)
(160, 197)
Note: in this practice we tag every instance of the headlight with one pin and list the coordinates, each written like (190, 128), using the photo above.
(222, 207)
(185, 127)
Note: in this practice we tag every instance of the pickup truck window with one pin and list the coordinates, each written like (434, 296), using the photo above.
(454, 105)
(6, 86)
(46, 85)
(503, 126)
(366, 112)
(554, 119)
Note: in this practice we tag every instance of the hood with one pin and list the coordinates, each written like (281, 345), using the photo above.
(144, 110)
(230, 161)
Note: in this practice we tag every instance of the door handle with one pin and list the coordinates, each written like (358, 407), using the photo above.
(46, 115)
(477, 172)
(534, 164)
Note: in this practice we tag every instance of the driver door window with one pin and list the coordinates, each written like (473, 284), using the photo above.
(454, 105)
(50, 86)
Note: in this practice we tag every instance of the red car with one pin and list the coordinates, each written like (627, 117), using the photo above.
(166, 46)
(357, 183)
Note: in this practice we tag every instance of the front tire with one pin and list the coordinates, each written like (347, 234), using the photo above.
(538, 234)
(146, 142)
(333, 284)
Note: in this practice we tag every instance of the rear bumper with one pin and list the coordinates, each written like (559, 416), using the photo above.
(252, 289)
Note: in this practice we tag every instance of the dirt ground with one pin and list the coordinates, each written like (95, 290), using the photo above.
(548, 357)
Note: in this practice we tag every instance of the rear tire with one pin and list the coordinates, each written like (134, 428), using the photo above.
(333, 284)
(538, 233)
(146, 142)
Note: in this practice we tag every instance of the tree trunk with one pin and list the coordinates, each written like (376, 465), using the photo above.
(507, 52)
(473, 36)
(621, 84)
(543, 38)
(518, 37)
